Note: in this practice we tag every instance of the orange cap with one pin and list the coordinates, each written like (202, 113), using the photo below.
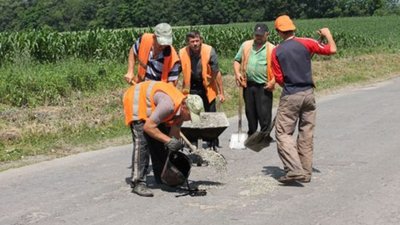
(284, 23)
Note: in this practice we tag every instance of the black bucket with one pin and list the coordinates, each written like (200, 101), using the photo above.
(176, 169)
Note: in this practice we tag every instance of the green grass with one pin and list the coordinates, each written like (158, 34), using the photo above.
(92, 120)
(33, 84)
(65, 142)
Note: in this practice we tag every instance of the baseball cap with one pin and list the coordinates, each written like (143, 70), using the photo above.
(284, 23)
(195, 105)
(163, 32)
(260, 29)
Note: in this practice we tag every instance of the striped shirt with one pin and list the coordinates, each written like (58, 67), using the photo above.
(155, 66)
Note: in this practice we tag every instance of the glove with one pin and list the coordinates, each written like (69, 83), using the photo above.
(174, 145)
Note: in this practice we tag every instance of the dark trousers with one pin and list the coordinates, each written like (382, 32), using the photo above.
(145, 147)
(258, 106)
(208, 106)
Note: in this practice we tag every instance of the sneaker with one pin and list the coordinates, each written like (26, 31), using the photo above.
(142, 190)
(289, 179)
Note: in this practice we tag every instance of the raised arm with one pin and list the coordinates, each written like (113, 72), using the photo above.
(326, 33)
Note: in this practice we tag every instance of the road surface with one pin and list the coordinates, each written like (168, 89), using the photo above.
(356, 179)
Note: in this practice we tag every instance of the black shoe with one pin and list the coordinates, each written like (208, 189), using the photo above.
(142, 190)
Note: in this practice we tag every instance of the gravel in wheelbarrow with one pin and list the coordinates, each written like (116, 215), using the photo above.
(210, 126)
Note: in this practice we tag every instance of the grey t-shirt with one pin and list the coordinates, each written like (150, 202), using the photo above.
(164, 107)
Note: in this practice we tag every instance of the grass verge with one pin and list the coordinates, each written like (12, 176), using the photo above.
(91, 121)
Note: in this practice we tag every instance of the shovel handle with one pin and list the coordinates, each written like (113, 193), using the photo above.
(192, 147)
(240, 109)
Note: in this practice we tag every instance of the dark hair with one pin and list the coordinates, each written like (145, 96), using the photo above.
(193, 34)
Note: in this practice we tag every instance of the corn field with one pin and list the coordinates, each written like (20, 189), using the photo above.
(87, 61)
(100, 44)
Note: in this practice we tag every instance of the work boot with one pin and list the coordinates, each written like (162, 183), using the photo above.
(286, 179)
(291, 177)
(307, 179)
(142, 190)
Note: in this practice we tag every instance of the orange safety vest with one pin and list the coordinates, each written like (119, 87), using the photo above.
(247, 46)
(143, 57)
(138, 100)
(205, 54)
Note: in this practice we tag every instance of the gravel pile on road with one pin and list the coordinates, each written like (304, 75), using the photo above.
(213, 159)
(257, 185)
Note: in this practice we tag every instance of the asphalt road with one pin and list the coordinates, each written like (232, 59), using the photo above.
(356, 179)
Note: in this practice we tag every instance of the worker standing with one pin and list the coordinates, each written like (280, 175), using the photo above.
(291, 64)
(253, 73)
(201, 74)
(156, 57)
(155, 111)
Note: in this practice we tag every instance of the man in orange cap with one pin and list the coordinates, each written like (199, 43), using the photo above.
(291, 65)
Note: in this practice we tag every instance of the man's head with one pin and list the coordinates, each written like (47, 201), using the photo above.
(193, 41)
(191, 107)
(284, 26)
(260, 33)
(163, 35)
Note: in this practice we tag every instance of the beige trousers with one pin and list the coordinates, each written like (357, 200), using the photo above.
(296, 155)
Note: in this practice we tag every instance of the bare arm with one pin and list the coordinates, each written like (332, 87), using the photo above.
(164, 108)
(270, 86)
(151, 128)
(240, 80)
(220, 87)
(130, 76)
(325, 32)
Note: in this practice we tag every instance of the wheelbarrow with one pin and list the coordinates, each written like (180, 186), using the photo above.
(211, 125)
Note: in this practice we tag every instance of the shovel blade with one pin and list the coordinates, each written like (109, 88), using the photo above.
(257, 141)
(237, 141)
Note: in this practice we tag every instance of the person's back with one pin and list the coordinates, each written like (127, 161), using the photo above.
(295, 61)
(291, 64)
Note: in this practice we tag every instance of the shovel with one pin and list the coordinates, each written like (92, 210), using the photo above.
(238, 139)
(259, 140)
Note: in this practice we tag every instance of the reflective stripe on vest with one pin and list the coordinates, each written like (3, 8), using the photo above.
(145, 46)
(247, 46)
(205, 54)
(138, 100)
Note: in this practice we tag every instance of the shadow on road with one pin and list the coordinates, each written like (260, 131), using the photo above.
(276, 172)
(273, 171)
(193, 185)
(196, 184)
